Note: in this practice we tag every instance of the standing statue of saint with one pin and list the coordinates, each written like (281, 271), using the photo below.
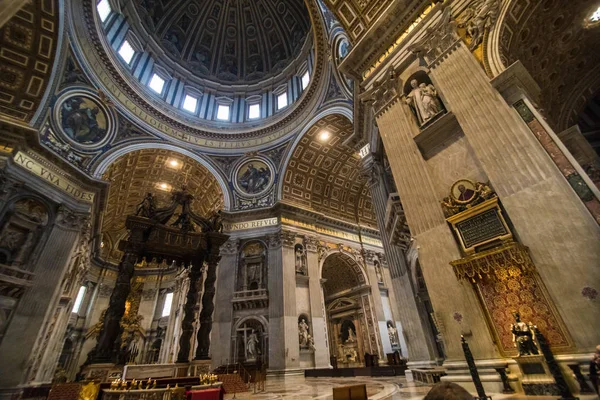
(300, 267)
(392, 334)
(523, 337)
(252, 346)
(303, 333)
(351, 336)
(423, 101)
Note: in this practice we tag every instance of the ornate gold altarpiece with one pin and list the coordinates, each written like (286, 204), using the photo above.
(500, 269)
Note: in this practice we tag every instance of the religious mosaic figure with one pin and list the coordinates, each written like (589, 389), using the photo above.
(423, 101)
(82, 120)
(252, 346)
(523, 337)
(255, 180)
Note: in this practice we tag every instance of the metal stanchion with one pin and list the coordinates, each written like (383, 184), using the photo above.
(473, 370)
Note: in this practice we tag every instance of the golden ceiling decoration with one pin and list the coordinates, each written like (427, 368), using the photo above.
(341, 273)
(357, 16)
(29, 46)
(157, 171)
(324, 174)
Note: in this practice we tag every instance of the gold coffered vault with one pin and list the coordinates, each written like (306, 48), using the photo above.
(257, 189)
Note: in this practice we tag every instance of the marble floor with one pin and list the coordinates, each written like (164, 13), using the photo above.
(396, 388)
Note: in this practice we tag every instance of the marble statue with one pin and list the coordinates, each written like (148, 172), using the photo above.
(523, 337)
(303, 335)
(351, 336)
(392, 333)
(300, 264)
(252, 346)
(378, 272)
(423, 101)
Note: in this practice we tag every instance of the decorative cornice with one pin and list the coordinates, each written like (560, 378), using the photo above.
(439, 40)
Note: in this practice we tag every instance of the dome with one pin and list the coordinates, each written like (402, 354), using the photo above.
(227, 41)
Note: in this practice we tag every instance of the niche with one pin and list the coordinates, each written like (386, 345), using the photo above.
(253, 267)
(423, 99)
(300, 260)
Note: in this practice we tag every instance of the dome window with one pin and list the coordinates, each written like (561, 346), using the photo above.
(104, 10)
(254, 111)
(305, 80)
(166, 311)
(223, 112)
(282, 101)
(190, 103)
(126, 52)
(157, 83)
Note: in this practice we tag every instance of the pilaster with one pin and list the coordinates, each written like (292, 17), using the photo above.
(35, 317)
(317, 306)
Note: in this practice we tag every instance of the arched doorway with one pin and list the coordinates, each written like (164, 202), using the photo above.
(352, 331)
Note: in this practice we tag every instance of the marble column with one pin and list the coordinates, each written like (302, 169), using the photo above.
(414, 328)
(189, 310)
(222, 324)
(315, 291)
(456, 305)
(284, 350)
(545, 211)
(34, 318)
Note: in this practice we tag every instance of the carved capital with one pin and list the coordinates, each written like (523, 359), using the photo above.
(439, 39)
(275, 240)
(288, 238)
(322, 251)
(370, 256)
(68, 219)
(231, 246)
(311, 244)
(386, 92)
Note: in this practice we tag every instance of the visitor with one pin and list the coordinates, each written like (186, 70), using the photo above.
(448, 391)
(594, 369)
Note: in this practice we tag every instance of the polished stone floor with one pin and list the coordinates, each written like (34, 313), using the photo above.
(299, 388)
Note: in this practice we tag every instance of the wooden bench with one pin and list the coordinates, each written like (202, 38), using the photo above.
(354, 392)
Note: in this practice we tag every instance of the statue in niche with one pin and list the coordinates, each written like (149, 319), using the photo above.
(10, 239)
(252, 346)
(378, 272)
(300, 260)
(393, 334)
(423, 101)
(146, 207)
(351, 336)
(303, 335)
(523, 337)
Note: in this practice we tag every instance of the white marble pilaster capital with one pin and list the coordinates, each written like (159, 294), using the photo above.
(288, 238)
(370, 256)
(70, 220)
(230, 247)
(311, 244)
(439, 40)
(386, 93)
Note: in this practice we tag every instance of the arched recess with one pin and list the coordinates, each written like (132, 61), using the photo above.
(323, 174)
(349, 306)
(240, 333)
(157, 171)
(558, 47)
(102, 164)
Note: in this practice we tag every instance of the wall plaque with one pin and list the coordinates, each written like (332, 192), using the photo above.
(481, 228)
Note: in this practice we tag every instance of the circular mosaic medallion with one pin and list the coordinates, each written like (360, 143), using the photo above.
(253, 177)
(83, 119)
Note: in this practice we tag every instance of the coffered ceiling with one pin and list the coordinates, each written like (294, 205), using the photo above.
(156, 171)
(324, 175)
